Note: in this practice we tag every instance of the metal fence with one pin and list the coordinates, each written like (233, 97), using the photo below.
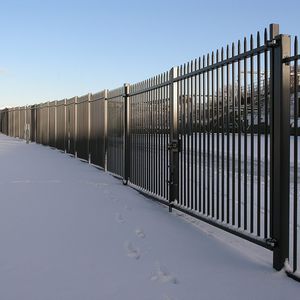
(217, 138)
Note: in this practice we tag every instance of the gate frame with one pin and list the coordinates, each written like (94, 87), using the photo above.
(280, 146)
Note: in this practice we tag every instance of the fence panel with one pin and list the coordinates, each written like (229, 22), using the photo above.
(27, 131)
(98, 115)
(82, 139)
(38, 124)
(16, 122)
(22, 122)
(70, 125)
(61, 125)
(52, 123)
(115, 131)
(44, 123)
(4, 121)
(149, 135)
(33, 124)
(10, 121)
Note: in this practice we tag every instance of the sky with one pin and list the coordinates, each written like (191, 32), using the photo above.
(51, 50)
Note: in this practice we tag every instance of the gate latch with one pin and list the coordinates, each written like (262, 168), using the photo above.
(175, 146)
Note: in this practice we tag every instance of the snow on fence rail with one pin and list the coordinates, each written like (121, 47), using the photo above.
(217, 138)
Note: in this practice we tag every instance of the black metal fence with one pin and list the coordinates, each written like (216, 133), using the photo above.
(217, 138)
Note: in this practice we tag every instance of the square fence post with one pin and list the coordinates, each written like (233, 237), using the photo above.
(55, 124)
(174, 139)
(48, 123)
(75, 126)
(126, 134)
(19, 117)
(89, 125)
(280, 150)
(105, 129)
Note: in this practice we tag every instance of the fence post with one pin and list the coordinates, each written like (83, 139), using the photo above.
(19, 129)
(55, 123)
(89, 126)
(75, 126)
(280, 154)
(126, 134)
(105, 129)
(174, 139)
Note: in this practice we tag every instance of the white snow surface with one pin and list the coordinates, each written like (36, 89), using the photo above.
(71, 231)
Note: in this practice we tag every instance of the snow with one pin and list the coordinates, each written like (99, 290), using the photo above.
(71, 231)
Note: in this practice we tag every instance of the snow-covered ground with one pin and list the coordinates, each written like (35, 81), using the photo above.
(71, 231)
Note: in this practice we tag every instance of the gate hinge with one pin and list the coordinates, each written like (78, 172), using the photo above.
(271, 241)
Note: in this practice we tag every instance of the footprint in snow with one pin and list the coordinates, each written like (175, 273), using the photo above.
(128, 207)
(140, 233)
(163, 276)
(132, 252)
(119, 218)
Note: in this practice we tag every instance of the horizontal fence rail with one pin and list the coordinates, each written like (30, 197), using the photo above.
(217, 138)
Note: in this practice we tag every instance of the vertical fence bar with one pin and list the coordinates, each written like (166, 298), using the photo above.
(280, 150)
(223, 139)
(239, 137)
(227, 137)
(258, 204)
(233, 217)
(200, 136)
(251, 137)
(174, 139)
(245, 94)
(126, 147)
(266, 134)
(213, 135)
(296, 134)
(208, 135)
(218, 136)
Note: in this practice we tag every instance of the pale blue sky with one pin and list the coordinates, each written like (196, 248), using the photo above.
(57, 49)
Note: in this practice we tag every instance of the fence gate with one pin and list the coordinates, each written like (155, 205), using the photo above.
(227, 154)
